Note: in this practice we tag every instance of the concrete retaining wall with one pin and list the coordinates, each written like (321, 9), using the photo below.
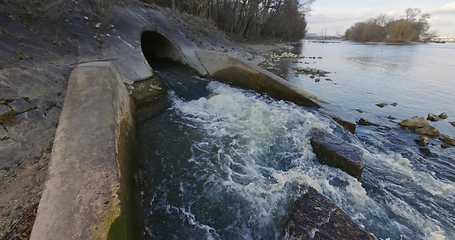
(90, 191)
(242, 73)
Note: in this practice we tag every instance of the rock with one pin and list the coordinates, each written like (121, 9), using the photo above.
(381, 105)
(428, 130)
(394, 104)
(155, 87)
(433, 117)
(427, 152)
(4, 109)
(447, 140)
(443, 115)
(452, 123)
(312, 76)
(8, 93)
(328, 79)
(322, 72)
(391, 117)
(3, 134)
(365, 122)
(20, 105)
(335, 152)
(445, 145)
(317, 79)
(315, 217)
(350, 126)
(422, 140)
(415, 122)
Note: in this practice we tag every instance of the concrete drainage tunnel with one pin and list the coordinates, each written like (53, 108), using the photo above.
(156, 46)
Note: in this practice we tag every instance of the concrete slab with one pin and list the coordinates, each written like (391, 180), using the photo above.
(4, 109)
(82, 198)
(20, 105)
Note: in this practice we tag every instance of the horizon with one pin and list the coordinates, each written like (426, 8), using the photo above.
(334, 17)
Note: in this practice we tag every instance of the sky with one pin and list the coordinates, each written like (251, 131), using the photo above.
(336, 16)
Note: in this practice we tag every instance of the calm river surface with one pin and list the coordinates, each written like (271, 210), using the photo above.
(230, 166)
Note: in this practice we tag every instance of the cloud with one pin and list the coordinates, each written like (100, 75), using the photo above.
(329, 15)
(446, 9)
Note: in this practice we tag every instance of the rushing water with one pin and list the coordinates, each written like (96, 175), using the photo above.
(229, 166)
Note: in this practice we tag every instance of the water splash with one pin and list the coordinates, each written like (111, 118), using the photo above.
(238, 159)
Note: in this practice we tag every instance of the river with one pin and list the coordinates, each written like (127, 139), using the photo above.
(229, 166)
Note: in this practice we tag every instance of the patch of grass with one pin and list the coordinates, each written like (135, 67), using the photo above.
(8, 118)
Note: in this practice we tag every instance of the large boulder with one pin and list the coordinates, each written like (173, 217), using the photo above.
(415, 122)
(335, 152)
(422, 140)
(315, 217)
(420, 126)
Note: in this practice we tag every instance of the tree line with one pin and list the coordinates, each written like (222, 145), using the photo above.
(277, 19)
(413, 26)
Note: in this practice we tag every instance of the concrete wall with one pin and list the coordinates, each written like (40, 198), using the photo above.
(242, 73)
(90, 191)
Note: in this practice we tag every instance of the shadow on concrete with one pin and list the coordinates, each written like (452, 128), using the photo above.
(155, 46)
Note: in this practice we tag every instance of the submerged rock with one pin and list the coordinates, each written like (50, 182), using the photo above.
(348, 125)
(422, 140)
(315, 217)
(365, 122)
(415, 122)
(452, 123)
(381, 105)
(443, 115)
(428, 130)
(447, 140)
(427, 152)
(335, 152)
(433, 117)
(420, 126)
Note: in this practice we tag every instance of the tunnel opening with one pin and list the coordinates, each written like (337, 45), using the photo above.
(157, 48)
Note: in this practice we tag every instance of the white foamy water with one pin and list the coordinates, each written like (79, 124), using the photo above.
(234, 163)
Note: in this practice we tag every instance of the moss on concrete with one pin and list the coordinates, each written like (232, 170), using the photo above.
(149, 96)
(129, 223)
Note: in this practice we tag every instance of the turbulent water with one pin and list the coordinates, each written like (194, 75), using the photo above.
(229, 166)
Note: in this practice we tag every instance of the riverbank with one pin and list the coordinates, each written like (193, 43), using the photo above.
(37, 61)
(35, 64)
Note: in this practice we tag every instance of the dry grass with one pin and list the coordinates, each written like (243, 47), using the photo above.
(8, 118)
(98, 11)
(45, 9)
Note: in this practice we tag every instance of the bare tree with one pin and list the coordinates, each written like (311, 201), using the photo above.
(283, 19)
